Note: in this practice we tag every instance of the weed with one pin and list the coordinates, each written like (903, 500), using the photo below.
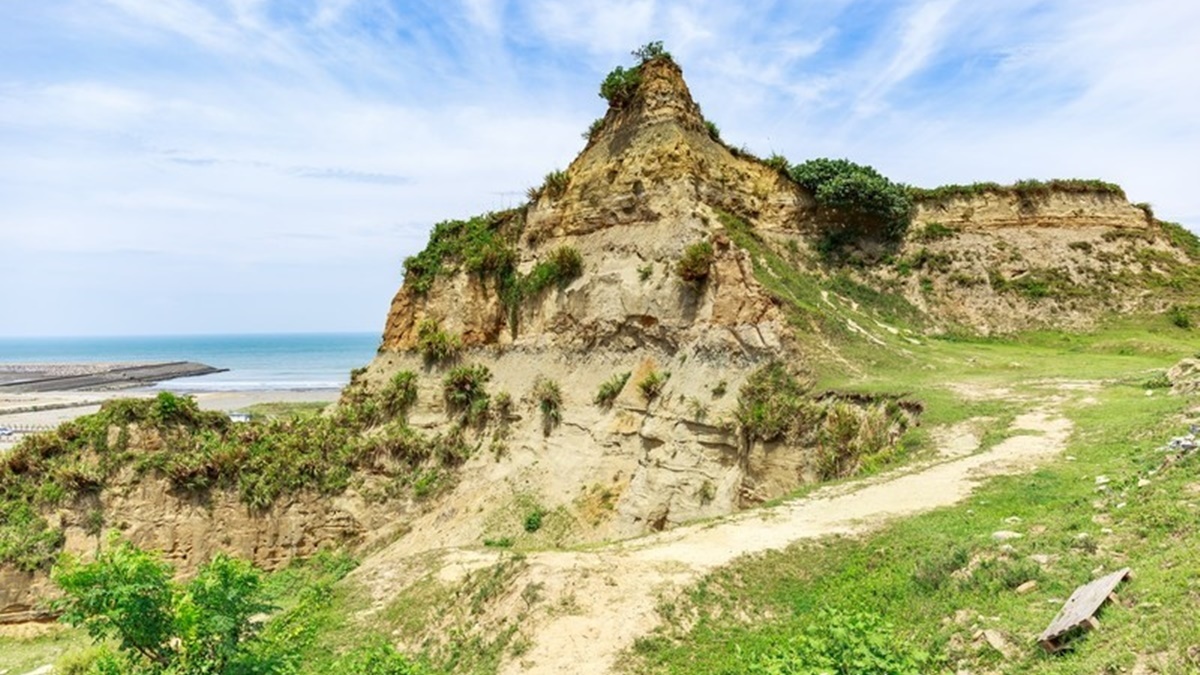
(610, 389)
(533, 520)
(465, 390)
(719, 389)
(549, 399)
(652, 384)
(645, 271)
(696, 262)
(436, 345)
(714, 132)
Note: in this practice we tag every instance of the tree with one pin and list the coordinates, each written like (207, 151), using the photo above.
(201, 627)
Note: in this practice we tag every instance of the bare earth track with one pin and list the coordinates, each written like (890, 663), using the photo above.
(611, 594)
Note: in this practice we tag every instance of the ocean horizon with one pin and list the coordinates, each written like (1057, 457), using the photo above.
(256, 361)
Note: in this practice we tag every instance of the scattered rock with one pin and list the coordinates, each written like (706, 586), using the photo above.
(996, 640)
(1026, 587)
(1143, 483)
(1007, 549)
(1006, 535)
(1012, 520)
(1102, 480)
(1043, 558)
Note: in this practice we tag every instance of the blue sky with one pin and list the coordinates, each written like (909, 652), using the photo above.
(188, 166)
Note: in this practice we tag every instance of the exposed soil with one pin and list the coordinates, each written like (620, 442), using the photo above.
(598, 602)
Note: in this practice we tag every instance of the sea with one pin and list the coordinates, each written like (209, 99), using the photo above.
(257, 362)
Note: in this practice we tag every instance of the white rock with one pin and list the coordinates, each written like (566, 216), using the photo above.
(1006, 535)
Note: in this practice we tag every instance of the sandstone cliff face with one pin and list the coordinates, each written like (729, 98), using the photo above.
(1057, 209)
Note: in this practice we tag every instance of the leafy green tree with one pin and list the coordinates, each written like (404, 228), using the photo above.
(856, 196)
(202, 627)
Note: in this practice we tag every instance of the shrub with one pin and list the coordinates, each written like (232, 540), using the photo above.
(645, 271)
(934, 231)
(549, 399)
(465, 391)
(856, 196)
(555, 184)
(610, 389)
(563, 266)
(533, 520)
(652, 384)
(203, 626)
(777, 162)
(620, 85)
(400, 394)
(650, 51)
(483, 245)
(696, 262)
(773, 403)
(376, 657)
(436, 345)
(714, 132)
(1179, 317)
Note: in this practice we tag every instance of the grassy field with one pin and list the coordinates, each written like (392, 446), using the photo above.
(929, 585)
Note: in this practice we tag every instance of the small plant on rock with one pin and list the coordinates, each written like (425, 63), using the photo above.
(465, 391)
(696, 262)
(549, 399)
(652, 384)
(436, 345)
(610, 389)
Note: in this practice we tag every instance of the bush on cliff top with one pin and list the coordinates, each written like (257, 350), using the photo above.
(856, 197)
(620, 85)
(483, 246)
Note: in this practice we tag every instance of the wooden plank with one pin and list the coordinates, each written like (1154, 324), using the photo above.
(1083, 604)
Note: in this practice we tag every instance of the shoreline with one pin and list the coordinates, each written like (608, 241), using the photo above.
(59, 377)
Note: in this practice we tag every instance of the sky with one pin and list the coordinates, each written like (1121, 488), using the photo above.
(235, 166)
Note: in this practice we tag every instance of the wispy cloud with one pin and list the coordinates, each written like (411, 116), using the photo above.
(255, 142)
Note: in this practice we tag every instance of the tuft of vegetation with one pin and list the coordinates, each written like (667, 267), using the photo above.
(1026, 190)
(1179, 317)
(436, 345)
(465, 390)
(560, 268)
(533, 520)
(621, 84)
(645, 271)
(483, 246)
(1182, 239)
(593, 129)
(778, 162)
(773, 403)
(610, 389)
(399, 395)
(714, 132)
(856, 198)
(127, 597)
(934, 231)
(696, 262)
(652, 384)
(549, 399)
(553, 186)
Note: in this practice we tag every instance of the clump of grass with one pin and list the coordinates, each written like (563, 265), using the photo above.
(436, 345)
(399, 395)
(696, 263)
(561, 267)
(651, 385)
(645, 271)
(465, 390)
(714, 132)
(548, 395)
(778, 162)
(610, 389)
(933, 231)
(484, 246)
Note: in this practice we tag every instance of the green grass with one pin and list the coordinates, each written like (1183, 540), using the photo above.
(910, 574)
(273, 410)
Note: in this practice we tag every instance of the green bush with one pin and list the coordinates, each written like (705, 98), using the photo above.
(554, 185)
(620, 85)
(610, 389)
(377, 657)
(778, 162)
(696, 262)
(1179, 317)
(561, 267)
(593, 129)
(652, 384)
(533, 520)
(549, 399)
(856, 196)
(714, 132)
(650, 51)
(436, 345)
(400, 394)
(773, 403)
(201, 627)
(483, 246)
(465, 389)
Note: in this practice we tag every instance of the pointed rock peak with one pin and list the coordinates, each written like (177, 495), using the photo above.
(650, 93)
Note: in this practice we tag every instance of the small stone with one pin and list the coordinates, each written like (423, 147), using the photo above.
(1106, 530)
(1026, 587)
(1121, 505)
(1042, 558)
(1005, 535)
(1007, 549)
(1012, 520)
(1070, 458)
(1143, 482)
(1102, 480)
(1082, 536)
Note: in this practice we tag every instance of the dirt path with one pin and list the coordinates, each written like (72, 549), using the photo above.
(594, 604)
(614, 592)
